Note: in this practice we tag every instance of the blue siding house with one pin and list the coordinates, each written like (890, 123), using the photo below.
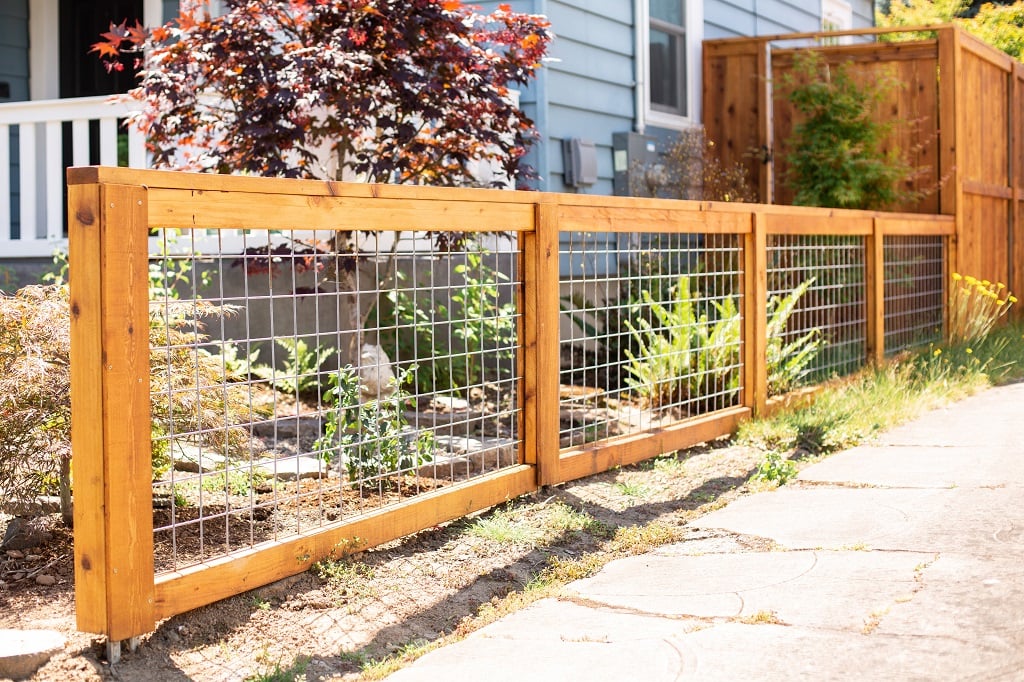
(620, 71)
(620, 67)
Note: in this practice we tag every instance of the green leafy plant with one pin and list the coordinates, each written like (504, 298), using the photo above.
(975, 306)
(372, 437)
(837, 157)
(694, 355)
(998, 24)
(689, 355)
(302, 371)
(775, 468)
(480, 321)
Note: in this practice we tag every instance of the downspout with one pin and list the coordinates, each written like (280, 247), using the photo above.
(541, 118)
(639, 64)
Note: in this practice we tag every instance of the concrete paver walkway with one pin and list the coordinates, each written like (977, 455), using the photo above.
(902, 560)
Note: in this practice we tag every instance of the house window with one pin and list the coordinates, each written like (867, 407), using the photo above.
(666, 45)
(669, 35)
(836, 15)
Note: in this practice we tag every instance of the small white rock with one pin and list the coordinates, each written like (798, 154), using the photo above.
(44, 579)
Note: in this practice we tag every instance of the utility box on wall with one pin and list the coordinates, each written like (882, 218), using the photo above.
(631, 152)
(579, 160)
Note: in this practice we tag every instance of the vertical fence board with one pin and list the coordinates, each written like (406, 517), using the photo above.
(874, 280)
(87, 407)
(542, 370)
(755, 312)
(126, 418)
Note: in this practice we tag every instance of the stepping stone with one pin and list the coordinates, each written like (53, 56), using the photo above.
(22, 652)
(293, 468)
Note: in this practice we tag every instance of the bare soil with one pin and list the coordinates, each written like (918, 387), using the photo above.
(412, 590)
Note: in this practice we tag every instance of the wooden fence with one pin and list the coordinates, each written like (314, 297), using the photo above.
(112, 211)
(961, 104)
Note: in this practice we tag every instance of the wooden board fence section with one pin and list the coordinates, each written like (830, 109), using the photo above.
(111, 212)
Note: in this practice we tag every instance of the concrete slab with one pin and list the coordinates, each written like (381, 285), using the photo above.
(921, 467)
(834, 590)
(22, 652)
(961, 594)
(553, 640)
(735, 651)
(978, 521)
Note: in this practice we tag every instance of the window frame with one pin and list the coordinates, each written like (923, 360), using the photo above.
(692, 33)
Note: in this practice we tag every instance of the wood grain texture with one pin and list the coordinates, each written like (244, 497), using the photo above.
(547, 356)
(755, 316)
(126, 417)
(88, 470)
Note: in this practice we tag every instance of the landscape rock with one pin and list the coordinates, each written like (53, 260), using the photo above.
(293, 468)
(23, 533)
(460, 456)
(290, 427)
(22, 652)
(194, 459)
(376, 378)
(45, 579)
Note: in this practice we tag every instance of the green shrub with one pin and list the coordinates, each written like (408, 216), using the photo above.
(836, 156)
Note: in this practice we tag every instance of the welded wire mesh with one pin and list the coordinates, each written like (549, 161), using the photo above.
(914, 292)
(650, 331)
(816, 308)
(309, 377)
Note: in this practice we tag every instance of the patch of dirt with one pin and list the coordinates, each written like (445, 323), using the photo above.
(372, 605)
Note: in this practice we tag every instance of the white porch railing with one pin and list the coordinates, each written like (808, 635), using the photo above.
(37, 228)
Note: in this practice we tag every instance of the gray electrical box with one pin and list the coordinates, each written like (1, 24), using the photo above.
(631, 152)
(579, 159)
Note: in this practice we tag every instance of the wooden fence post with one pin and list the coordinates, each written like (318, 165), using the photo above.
(541, 344)
(755, 314)
(874, 293)
(112, 470)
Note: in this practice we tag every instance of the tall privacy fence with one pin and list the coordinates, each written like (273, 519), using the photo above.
(960, 109)
(363, 362)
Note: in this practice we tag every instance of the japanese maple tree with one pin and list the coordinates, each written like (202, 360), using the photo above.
(400, 91)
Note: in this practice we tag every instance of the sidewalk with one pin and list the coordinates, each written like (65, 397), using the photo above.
(899, 561)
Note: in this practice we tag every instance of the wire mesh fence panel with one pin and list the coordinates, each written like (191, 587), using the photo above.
(307, 378)
(650, 331)
(816, 309)
(914, 292)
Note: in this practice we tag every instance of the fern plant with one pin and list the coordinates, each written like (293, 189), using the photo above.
(302, 368)
(690, 355)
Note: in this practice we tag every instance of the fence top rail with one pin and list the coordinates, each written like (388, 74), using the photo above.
(817, 35)
(185, 200)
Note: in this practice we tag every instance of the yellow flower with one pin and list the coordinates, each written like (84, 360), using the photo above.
(985, 282)
(969, 351)
(938, 352)
(957, 277)
(1000, 286)
(1012, 299)
(970, 280)
(1000, 302)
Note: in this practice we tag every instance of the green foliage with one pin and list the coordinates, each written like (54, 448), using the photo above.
(373, 437)
(694, 355)
(302, 369)
(788, 363)
(35, 395)
(836, 158)
(999, 25)
(775, 468)
(479, 320)
(688, 355)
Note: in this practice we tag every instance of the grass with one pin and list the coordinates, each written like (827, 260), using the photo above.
(877, 399)
(550, 524)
